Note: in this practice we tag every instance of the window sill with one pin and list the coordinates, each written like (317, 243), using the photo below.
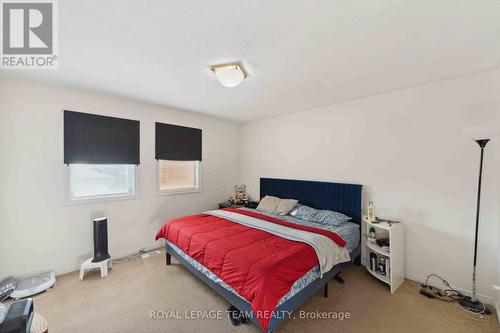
(177, 192)
(96, 200)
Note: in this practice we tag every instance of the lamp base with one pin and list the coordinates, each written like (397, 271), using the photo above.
(476, 306)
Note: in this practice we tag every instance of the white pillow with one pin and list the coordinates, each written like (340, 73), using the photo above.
(268, 204)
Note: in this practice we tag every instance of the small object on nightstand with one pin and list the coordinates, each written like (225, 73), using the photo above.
(372, 235)
(381, 266)
(228, 204)
(371, 212)
(373, 261)
(382, 242)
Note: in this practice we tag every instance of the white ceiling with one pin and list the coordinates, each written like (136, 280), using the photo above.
(299, 54)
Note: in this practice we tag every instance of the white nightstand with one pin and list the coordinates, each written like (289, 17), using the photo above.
(395, 269)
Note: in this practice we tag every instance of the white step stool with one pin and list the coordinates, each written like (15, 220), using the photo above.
(102, 265)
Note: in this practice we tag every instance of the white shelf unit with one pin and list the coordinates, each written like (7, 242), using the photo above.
(396, 267)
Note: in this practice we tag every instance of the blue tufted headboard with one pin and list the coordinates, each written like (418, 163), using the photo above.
(344, 198)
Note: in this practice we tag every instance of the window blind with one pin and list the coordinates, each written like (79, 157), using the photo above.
(95, 139)
(101, 180)
(177, 143)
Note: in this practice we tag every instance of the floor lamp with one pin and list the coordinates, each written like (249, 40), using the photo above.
(472, 303)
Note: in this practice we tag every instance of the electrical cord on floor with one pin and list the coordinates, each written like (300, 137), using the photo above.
(448, 294)
(451, 295)
(136, 255)
(127, 258)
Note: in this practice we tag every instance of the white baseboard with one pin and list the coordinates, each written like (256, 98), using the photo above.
(437, 283)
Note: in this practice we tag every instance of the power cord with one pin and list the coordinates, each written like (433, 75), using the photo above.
(129, 257)
(448, 294)
(132, 256)
(451, 295)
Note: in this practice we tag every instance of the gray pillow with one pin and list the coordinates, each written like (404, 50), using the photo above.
(268, 204)
(284, 206)
(304, 212)
(329, 217)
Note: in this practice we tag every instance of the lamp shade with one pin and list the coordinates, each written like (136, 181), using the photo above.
(229, 75)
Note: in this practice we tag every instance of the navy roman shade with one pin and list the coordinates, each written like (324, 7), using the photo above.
(94, 139)
(177, 143)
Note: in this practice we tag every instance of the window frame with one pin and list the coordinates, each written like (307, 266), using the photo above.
(178, 191)
(70, 200)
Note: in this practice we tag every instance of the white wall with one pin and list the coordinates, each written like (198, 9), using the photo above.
(37, 230)
(411, 151)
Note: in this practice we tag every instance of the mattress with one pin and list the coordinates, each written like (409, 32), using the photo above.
(348, 231)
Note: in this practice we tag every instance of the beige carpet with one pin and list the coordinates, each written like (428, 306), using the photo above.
(122, 302)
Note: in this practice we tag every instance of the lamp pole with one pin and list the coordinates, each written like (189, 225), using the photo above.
(472, 303)
(482, 143)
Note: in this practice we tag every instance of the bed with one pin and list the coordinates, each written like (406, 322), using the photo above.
(344, 198)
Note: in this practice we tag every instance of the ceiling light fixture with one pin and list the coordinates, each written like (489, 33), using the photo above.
(229, 75)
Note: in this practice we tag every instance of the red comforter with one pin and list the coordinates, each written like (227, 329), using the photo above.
(260, 266)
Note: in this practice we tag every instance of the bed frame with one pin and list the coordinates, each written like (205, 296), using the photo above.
(344, 198)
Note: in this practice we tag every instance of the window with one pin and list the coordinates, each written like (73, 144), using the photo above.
(178, 152)
(178, 176)
(94, 181)
(101, 154)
